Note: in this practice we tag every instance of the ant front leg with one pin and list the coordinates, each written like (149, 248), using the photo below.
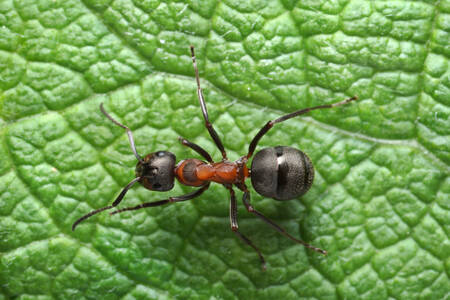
(269, 125)
(150, 204)
(234, 226)
(129, 185)
(208, 124)
(189, 196)
(250, 209)
(196, 148)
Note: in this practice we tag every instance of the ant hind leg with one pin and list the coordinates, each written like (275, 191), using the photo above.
(250, 209)
(269, 125)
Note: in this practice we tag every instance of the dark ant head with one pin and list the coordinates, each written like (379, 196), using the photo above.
(156, 171)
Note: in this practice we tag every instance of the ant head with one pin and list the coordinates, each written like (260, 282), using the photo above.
(156, 171)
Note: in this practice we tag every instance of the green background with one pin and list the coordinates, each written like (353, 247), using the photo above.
(380, 201)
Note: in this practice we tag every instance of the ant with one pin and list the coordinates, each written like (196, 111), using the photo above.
(281, 173)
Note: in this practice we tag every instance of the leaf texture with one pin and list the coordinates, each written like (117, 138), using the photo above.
(380, 201)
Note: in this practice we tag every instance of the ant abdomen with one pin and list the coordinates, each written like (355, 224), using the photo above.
(281, 173)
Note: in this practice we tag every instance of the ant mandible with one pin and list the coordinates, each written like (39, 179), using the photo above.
(281, 173)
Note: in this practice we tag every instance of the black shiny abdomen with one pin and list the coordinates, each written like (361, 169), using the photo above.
(281, 173)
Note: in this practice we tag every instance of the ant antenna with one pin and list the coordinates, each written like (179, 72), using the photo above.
(115, 203)
(130, 135)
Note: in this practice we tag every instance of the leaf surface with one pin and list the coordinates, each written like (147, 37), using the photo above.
(380, 201)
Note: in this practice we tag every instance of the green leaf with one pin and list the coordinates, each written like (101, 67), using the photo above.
(380, 201)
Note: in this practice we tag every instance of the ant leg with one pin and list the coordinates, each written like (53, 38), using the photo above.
(196, 148)
(130, 135)
(162, 202)
(263, 131)
(234, 226)
(115, 203)
(250, 209)
(208, 124)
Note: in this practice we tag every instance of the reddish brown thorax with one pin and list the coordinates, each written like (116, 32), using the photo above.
(195, 172)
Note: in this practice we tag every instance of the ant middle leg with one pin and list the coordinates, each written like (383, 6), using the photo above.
(208, 124)
(250, 209)
(234, 226)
